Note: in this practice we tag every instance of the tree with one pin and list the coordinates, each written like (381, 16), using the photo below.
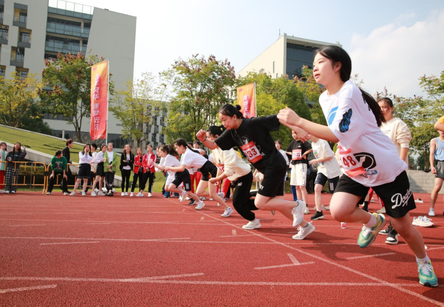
(68, 80)
(274, 95)
(18, 105)
(200, 86)
(137, 107)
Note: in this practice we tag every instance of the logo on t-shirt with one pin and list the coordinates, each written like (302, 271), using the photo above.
(344, 124)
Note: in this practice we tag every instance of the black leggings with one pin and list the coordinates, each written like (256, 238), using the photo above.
(109, 177)
(126, 174)
(242, 201)
(149, 177)
(140, 176)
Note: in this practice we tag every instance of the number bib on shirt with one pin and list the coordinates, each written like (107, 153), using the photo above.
(251, 152)
(349, 163)
(296, 154)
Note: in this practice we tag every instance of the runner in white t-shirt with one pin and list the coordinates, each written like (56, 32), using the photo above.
(368, 157)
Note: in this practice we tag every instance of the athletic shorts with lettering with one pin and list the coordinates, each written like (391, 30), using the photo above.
(396, 196)
(322, 179)
(183, 177)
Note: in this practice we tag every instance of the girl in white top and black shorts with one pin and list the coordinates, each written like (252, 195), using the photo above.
(84, 173)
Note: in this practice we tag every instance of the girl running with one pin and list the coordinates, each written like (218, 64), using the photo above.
(252, 136)
(176, 178)
(368, 157)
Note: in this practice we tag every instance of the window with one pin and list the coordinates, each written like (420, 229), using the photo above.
(22, 72)
(17, 55)
(2, 71)
(24, 37)
(4, 32)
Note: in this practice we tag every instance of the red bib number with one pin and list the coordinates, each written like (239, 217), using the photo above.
(251, 152)
(296, 154)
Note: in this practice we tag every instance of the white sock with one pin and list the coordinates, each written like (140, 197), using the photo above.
(423, 260)
(372, 221)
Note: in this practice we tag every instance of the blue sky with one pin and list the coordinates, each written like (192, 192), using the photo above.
(392, 43)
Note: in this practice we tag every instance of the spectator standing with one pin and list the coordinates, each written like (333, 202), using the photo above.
(17, 154)
(3, 154)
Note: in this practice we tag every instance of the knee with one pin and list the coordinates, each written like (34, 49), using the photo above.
(339, 215)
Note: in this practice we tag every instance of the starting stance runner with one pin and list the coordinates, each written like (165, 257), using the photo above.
(368, 157)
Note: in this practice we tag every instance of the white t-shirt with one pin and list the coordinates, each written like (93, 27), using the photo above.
(192, 159)
(84, 159)
(329, 168)
(229, 162)
(170, 160)
(399, 133)
(110, 157)
(366, 154)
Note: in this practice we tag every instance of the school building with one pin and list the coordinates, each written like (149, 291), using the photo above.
(285, 57)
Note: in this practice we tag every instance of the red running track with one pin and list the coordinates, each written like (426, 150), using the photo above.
(120, 251)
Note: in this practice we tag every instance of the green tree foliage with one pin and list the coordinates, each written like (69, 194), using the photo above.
(138, 107)
(274, 95)
(18, 105)
(68, 87)
(200, 86)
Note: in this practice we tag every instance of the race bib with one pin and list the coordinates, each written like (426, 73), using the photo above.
(296, 154)
(251, 152)
(351, 166)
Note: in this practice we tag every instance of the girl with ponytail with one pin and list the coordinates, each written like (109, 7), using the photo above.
(368, 157)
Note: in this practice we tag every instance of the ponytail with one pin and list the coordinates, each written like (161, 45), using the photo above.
(374, 106)
(182, 142)
(216, 130)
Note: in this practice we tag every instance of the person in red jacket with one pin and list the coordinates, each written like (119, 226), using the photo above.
(140, 166)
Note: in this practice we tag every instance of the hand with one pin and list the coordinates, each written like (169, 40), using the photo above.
(214, 181)
(201, 135)
(167, 168)
(64, 176)
(433, 169)
(288, 116)
(313, 162)
(303, 135)
(51, 176)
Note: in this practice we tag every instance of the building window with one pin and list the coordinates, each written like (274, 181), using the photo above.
(17, 56)
(22, 72)
(4, 33)
(2, 71)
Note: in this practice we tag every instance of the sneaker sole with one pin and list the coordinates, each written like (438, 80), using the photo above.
(318, 218)
(309, 232)
(427, 284)
(249, 228)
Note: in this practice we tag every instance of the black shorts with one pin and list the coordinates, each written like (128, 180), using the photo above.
(84, 171)
(332, 183)
(183, 177)
(100, 171)
(273, 183)
(208, 169)
(396, 196)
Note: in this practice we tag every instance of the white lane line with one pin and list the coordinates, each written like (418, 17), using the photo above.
(202, 218)
(28, 225)
(370, 256)
(434, 248)
(28, 289)
(144, 279)
(97, 223)
(67, 243)
(235, 236)
(209, 282)
(293, 259)
(234, 232)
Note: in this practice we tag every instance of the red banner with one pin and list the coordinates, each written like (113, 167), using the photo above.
(246, 98)
(99, 100)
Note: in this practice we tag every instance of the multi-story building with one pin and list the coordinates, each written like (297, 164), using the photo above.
(32, 30)
(286, 57)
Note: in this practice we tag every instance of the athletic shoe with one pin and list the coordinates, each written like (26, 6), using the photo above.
(93, 193)
(149, 194)
(132, 194)
(419, 200)
(431, 212)
(368, 234)
(122, 194)
(101, 193)
(252, 225)
(12, 192)
(83, 193)
(48, 193)
(327, 208)
(140, 194)
(6, 192)
(306, 210)
(384, 232)
(182, 196)
(427, 276)
(192, 201)
(221, 195)
(65, 193)
(422, 221)
(200, 205)
(297, 212)
(304, 231)
(317, 216)
(203, 198)
(227, 212)
(72, 194)
(392, 238)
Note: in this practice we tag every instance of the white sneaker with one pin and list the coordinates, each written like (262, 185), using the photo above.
(101, 193)
(227, 212)
(200, 205)
(221, 195)
(431, 212)
(149, 195)
(297, 212)
(252, 225)
(72, 194)
(306, 210)
(182, 196)
(422, 221)
(126, 193)
(93, 193)
(140, 194)
(304, 231)
(65, 193)
(48, 193)
(83, 193)
(122, 194)
(132, 194)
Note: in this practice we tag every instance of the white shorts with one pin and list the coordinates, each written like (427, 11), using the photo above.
(298, 174)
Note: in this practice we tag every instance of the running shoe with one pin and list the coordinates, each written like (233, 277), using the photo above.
(83, 193)
(427, 276)
(227, 212)
(93, 193)
(252, 225)
(306, 210)
(297, 212)
(431, 212)
(65, 193)
(422, 221)
(131, 194)
(101, 193)
(317, 216)
(122, 194)
(48, 193)
(182, 196)
(192, 201)
(384, 232)
(150, 195)
(200, 205)
(140, 194)
(392, 238)
(368, 234)
(72, 194)
(304, 231)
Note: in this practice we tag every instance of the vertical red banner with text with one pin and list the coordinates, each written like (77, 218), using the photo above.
(246, 98)
(99, 100)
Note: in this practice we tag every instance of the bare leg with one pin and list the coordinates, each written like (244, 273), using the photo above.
(410, 234)
(435, 191)
(277, 203)
(343, 208)
(318, 197)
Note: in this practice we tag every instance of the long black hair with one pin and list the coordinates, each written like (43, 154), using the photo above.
(338, 55)
(231, 110)
(182, 142)
(169, 149)
(216, 130)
